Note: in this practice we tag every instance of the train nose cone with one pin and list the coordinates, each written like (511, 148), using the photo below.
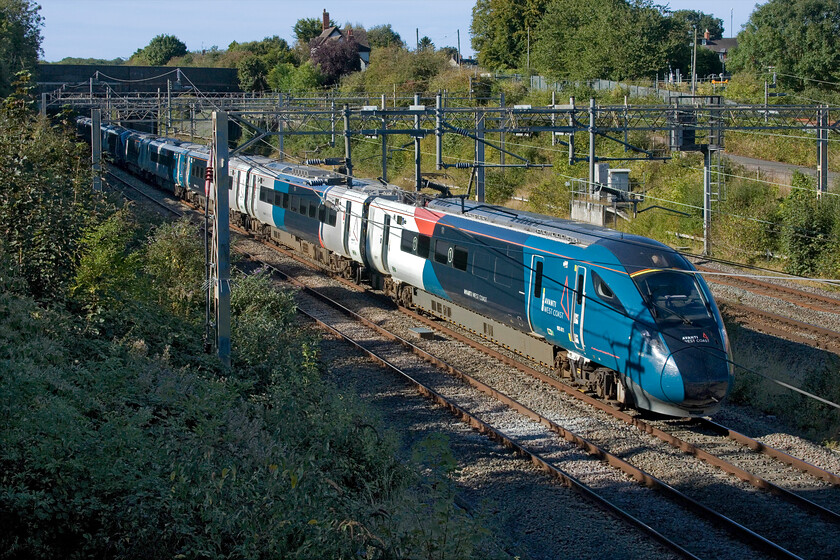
(705, 374)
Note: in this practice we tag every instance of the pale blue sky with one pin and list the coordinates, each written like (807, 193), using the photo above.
(116, 28)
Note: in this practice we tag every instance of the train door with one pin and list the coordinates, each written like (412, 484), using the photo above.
(386, 235)
(253, 194)
(578, 307)
(243, 191)
(535, 297)
(346, 236)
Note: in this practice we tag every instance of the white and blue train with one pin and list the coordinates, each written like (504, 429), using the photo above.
(620, 315)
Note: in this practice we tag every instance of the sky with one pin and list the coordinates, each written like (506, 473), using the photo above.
(116, 28)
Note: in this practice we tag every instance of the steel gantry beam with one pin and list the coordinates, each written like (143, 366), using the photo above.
(697, 123)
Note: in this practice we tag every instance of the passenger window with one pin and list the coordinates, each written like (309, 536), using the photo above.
(312, 209)
(408, 241)
(442, 252)
(295, 204)
(424, 242)
(285, 201)
(322, 213)
(459, 259)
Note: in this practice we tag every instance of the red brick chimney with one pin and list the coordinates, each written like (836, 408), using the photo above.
(707, 35)
(350, 34)
(326, 22)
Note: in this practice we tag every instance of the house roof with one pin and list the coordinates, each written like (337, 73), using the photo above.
(720, 45)
(335, 33)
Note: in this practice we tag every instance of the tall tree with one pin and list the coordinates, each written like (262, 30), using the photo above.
(571, 41)
(306, 29)
(796, 37)
(383, 36)
(425, 44)
(162, 49)
(500, 30)
(44, 199)
(20, 39)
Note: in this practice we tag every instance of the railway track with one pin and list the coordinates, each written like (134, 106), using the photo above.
(816, 514)
(801, 316)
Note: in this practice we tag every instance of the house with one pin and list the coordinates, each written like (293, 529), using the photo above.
(720, 46)
(456, 60)
(333, 33)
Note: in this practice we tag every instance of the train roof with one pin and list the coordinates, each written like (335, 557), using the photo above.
(565, 231)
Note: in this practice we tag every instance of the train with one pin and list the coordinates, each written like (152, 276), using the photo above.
(618, 315)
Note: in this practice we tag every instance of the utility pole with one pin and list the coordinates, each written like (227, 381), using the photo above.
(822, 150)
(707, 202)
(96, 147)
(479, 155)
(694, 64)
(438, 133)
(418, 176)
(281, 149)
(383, 106)
(591, 145)
(348, 162)
(221, 235)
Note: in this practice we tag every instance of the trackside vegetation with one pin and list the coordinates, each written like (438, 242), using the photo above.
(121, 438)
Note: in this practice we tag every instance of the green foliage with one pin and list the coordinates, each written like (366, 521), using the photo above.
(306, 29)
(392, 66)
(106, 271)
(252, 73)
(116, 445)
(160, 50)
(286, 77)
(46, 199)
(425, 44)
(687, 20)
(97, 61)
(797, 37)
(20, 40)
(383, 36)
(174, 260)
(571, 42)
(807, 225)
(499, 31)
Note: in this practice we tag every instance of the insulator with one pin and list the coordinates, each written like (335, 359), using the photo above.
(463, 165)
(461, 131)
(208, 174)
(313, 162)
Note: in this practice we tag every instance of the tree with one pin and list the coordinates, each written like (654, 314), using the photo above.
(425, 44)
(688, 19)
(44, 201)
(796, 37)
(162, 49)
(571, 42)
(383, 36)
(252, 73)
(335, 58)
(500, 30)
(306, 29)
(20, 39)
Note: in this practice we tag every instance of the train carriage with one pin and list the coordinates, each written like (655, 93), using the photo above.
(621, 315)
